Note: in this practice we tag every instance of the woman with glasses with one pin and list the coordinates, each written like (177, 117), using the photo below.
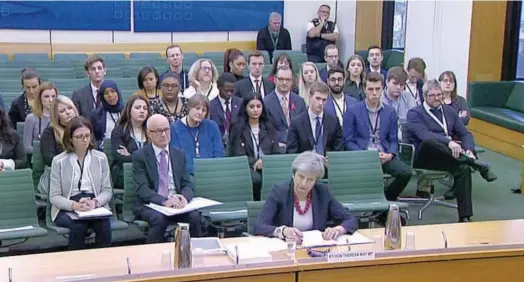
(290, 207)
(22, 105)
(448, 83)
(355, 77)
(38, 121)
(129, 136)
(80, 182)
(171, 104)
(308, 74)
(203, 77)
(149, 83)
(195, 134)
(105, 119)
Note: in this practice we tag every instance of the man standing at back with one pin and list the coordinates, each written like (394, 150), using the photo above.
(321, 32)
(161, 177)
(274, 36)
(86, 99)
(175, 58)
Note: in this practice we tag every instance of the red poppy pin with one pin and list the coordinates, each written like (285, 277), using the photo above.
(293, 106)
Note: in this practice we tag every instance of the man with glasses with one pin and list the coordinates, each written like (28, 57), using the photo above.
(321, 32)
(443, 143)
(161, 177)
(86, 99)
(331, 56)
(338, 102)
(175, 59)
(282, 104)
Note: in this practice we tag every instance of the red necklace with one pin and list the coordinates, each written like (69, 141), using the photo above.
(298, 206)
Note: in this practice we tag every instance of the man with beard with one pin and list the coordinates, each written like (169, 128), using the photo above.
(338, 102)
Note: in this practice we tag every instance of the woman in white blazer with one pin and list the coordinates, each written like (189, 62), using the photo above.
(80, 181)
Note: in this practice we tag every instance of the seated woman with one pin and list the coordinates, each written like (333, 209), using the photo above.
(105, 118)
(38, 121)
(307, 74)
(80, 181)
(355, 77)
(254, 136)
(290, 207)
(203, 77)
(148, 82)
(449, 86)
(22, 105)
(234, 63)
(171, 103)
(62, 111)
(128, 136)
(12, 155)
(196, 135)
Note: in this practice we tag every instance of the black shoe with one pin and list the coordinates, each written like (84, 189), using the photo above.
(423, 194)
(516, 191)
(488, 175)
(450, 195)
(465, 219)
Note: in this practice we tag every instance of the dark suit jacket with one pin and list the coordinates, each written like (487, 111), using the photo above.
(264, 41)
(17, 112)
(383, 72)
(49, 147)
(83, 100)
(356, 128)
(276, 116)
(120, 137)
(14, 150)
(217, 112)
(241, 143)
(98, 120)
(244, 87)
(301, 138)
(421, 127)
(146, 176)
(330, 107)
(278, 210)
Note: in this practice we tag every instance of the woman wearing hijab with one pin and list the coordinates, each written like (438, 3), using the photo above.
(105, 118)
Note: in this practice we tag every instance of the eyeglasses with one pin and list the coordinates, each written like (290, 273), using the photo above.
(447, 81)
(339, 79)
(160, 131)
(284, 79)
(435, 95)
(82, 137)
(206, 68)
(169, 86)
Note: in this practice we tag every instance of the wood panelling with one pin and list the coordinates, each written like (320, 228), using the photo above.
(497, 138)
(486, 40)
(368, 24)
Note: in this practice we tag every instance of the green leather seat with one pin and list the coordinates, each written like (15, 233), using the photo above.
(393, 58)
(57, 73)
(145, 55)
(70, 57)
(504, 117)
(38, 170)
(18, 205)
(254, 208)
(130, 197)
(9, 73)
(112, 56)
(30, 57)
(276, 169)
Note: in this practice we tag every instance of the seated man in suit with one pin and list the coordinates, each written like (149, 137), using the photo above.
(375, 59)
(161, 177)
(338, 101)
(431, 127)
(87, 99)
(255, 82)
(225, 107)
(370, 125)
(314, 129)
(282, 105)
(331, 56)
(273, 36)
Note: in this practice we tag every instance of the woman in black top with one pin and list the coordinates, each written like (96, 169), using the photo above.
(128, 136)
(171, 103)
(355, 77)
(21, 105)
(254, 136)
(12, 155)
(234, 62)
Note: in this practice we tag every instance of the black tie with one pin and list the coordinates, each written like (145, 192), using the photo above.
(437, 113)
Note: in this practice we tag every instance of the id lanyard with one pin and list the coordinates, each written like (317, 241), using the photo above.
(442, 123)
(257, 144)
(343, 111)
(374, 128)
(196, 141)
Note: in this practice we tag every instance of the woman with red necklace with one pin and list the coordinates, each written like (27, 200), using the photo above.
(303, 204)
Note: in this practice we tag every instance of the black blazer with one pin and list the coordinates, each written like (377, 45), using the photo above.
(244, 87)
(49, 147)
(278, 210)
(120, 137)
(14, 149)
(84, 101)
(146, 176)
(264, 41)
(17, 112)
(241, 143)
(301, 138)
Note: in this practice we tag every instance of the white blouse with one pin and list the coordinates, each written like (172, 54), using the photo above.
(303, 222)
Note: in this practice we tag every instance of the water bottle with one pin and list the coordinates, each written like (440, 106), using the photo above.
(182, 253)
(393, 229)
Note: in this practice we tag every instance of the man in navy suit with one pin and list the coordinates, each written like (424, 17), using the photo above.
(282, 105)
(338, 102)
(161, 177)
(375, 59)
(314, 130)
(370, 125)
(225, 107)
(331, 56)
(255, 82)
(442, 142)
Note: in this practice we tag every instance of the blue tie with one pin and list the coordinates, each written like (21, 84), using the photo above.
(319, 146)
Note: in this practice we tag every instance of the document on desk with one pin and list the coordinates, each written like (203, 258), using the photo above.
(94, 213)
(314, 238)
(247, 253)
(207, 245)
(269, 244)
(22, 228)
(194, 204)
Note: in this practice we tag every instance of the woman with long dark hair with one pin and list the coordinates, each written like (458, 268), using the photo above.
(149, 83)
(22, 105)
(449, 86)
(12, 155)
(253, 135)
(234, 63)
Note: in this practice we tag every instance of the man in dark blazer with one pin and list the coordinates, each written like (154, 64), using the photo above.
(314, 129)
(225, 107)
(375, 61)
(274, 36)
(331, 56)
(155, 184)
(282, 105)
(255, 82)
(370, 125)
(338, 102)
(443, 143)
(86, 99)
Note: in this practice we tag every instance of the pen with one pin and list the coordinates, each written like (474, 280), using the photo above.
(445, 239)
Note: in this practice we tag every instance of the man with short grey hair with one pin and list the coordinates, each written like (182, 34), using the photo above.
(274, 36)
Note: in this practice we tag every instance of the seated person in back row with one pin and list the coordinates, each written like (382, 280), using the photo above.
(161, 177)
(303, 204)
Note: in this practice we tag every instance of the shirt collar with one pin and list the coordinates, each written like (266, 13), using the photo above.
(253, 78)
(314, 116)
(427, 107)
(157, 150)
(93, 88)
(280, 95)
(373, 111)
(223, 101)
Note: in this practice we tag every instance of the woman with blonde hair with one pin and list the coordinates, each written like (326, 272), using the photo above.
(308, 74)
(203, 77)
(36, 122)
(355, 77)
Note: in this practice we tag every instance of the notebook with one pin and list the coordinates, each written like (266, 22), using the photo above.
(194, 204)
(94, 213)
(314, 238)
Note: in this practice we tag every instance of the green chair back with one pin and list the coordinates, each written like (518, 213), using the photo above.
(20, 130)
(38, 163)
(70, 57)
(141, 55)
(57, 73)
(112, 56)
(108, 151)
(10, 85)
(30, 57)
(9, 73)
(277, 169)
(393, 58)
(130, 195)
(18, 199)
(226, 180)
(254, 208)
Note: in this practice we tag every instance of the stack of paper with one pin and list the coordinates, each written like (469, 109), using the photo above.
(247, 253)
(94, 213)
(314, 238)
(194, 204)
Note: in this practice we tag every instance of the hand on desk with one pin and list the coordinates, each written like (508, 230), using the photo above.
(331, 233)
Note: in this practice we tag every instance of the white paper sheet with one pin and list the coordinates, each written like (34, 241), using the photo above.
(269, 244)
(17, 229)
(194, 204)
(314, 238)
(228, 212)
(248, 253)
(98, 212)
